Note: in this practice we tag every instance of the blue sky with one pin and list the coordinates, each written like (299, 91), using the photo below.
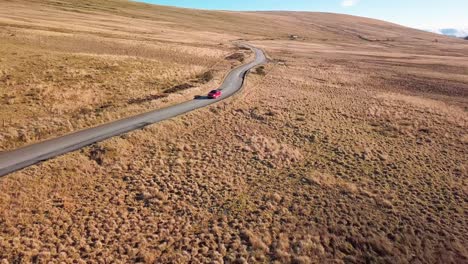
(424, 14)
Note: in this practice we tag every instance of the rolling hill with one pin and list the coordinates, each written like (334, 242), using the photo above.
(348, 146)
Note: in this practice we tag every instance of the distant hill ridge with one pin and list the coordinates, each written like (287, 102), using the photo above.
(306, 26)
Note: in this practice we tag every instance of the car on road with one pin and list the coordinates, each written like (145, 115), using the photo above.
(215, 94)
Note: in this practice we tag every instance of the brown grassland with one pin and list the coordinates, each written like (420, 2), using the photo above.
(348, 146)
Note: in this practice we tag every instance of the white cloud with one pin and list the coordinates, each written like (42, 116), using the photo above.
(349, 3)
(454, 32)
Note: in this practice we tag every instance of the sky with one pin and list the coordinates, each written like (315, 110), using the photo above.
(422, 14)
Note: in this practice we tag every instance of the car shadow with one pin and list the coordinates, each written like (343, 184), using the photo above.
(201, 97)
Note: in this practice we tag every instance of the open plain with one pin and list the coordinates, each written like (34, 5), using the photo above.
(349, 146)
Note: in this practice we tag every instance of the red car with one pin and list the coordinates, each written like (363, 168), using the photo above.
(215, 94)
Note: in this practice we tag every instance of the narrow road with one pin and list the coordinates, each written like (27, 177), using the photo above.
(26, 156)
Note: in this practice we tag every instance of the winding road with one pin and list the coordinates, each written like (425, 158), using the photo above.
(29, 155)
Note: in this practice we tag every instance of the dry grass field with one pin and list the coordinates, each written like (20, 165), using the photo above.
(74, 71)
(349, 146)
